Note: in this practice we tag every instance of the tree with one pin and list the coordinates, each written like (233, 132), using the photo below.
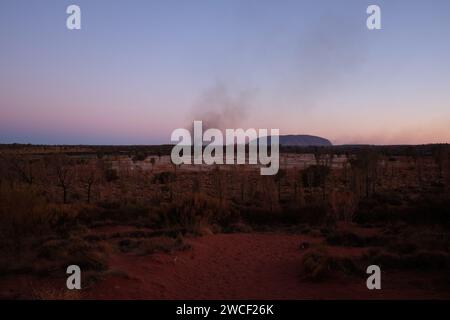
(440, 155)
(365, 170)
(298, 188)
(139, 156)
(88, 176)
(64, 172)
(22, 166)
(279, 178)
(418, 162)
(152, 161)
(218, 183)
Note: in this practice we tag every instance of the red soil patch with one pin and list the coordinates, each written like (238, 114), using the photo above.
(243, 266)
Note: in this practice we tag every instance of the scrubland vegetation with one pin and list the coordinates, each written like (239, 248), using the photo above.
(80, 205)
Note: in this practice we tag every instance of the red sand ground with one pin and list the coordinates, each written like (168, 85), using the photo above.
(244, 266)
(228, 266)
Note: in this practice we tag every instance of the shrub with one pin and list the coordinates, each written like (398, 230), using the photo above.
(49, 293)
(193, 213)
(153, 245)
(315, 176)
(316, 264)
(113, 211)
(62, 253)
(403, 247)
(429, 209)
(111, 175)
(163, 177)
(162, 244)
(23, 215)
(139, 156)
(350, 239)
(422, 260)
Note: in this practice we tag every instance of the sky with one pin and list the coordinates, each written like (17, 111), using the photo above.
(137, 70)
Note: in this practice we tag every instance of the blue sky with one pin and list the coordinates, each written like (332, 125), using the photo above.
(139, 69)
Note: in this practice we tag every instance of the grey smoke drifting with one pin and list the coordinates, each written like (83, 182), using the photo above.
(219, 107)
(325, 58)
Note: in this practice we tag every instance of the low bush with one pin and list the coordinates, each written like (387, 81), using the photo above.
(318, 264)
(194, 213)
(62, 253)
(153, 245)
(350, 239)
(422, 260)
(24, 216)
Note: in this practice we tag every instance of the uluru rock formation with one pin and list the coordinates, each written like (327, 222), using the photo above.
(302, 140)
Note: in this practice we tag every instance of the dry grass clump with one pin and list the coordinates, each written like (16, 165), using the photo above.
(425, 209)
(316, 264)
(153, 245)
(16, 263)
(39, 237)
(319, 264)
(59, 254)
(351, 239)
(113, 212)
(421, 260)
(47, 292)
(162, 244)
(23, 214)
(240, 227)
(196, 213)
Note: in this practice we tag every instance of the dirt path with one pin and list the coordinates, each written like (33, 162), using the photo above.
(238, 266)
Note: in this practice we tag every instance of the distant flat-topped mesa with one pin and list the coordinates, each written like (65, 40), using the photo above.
(302, 140)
